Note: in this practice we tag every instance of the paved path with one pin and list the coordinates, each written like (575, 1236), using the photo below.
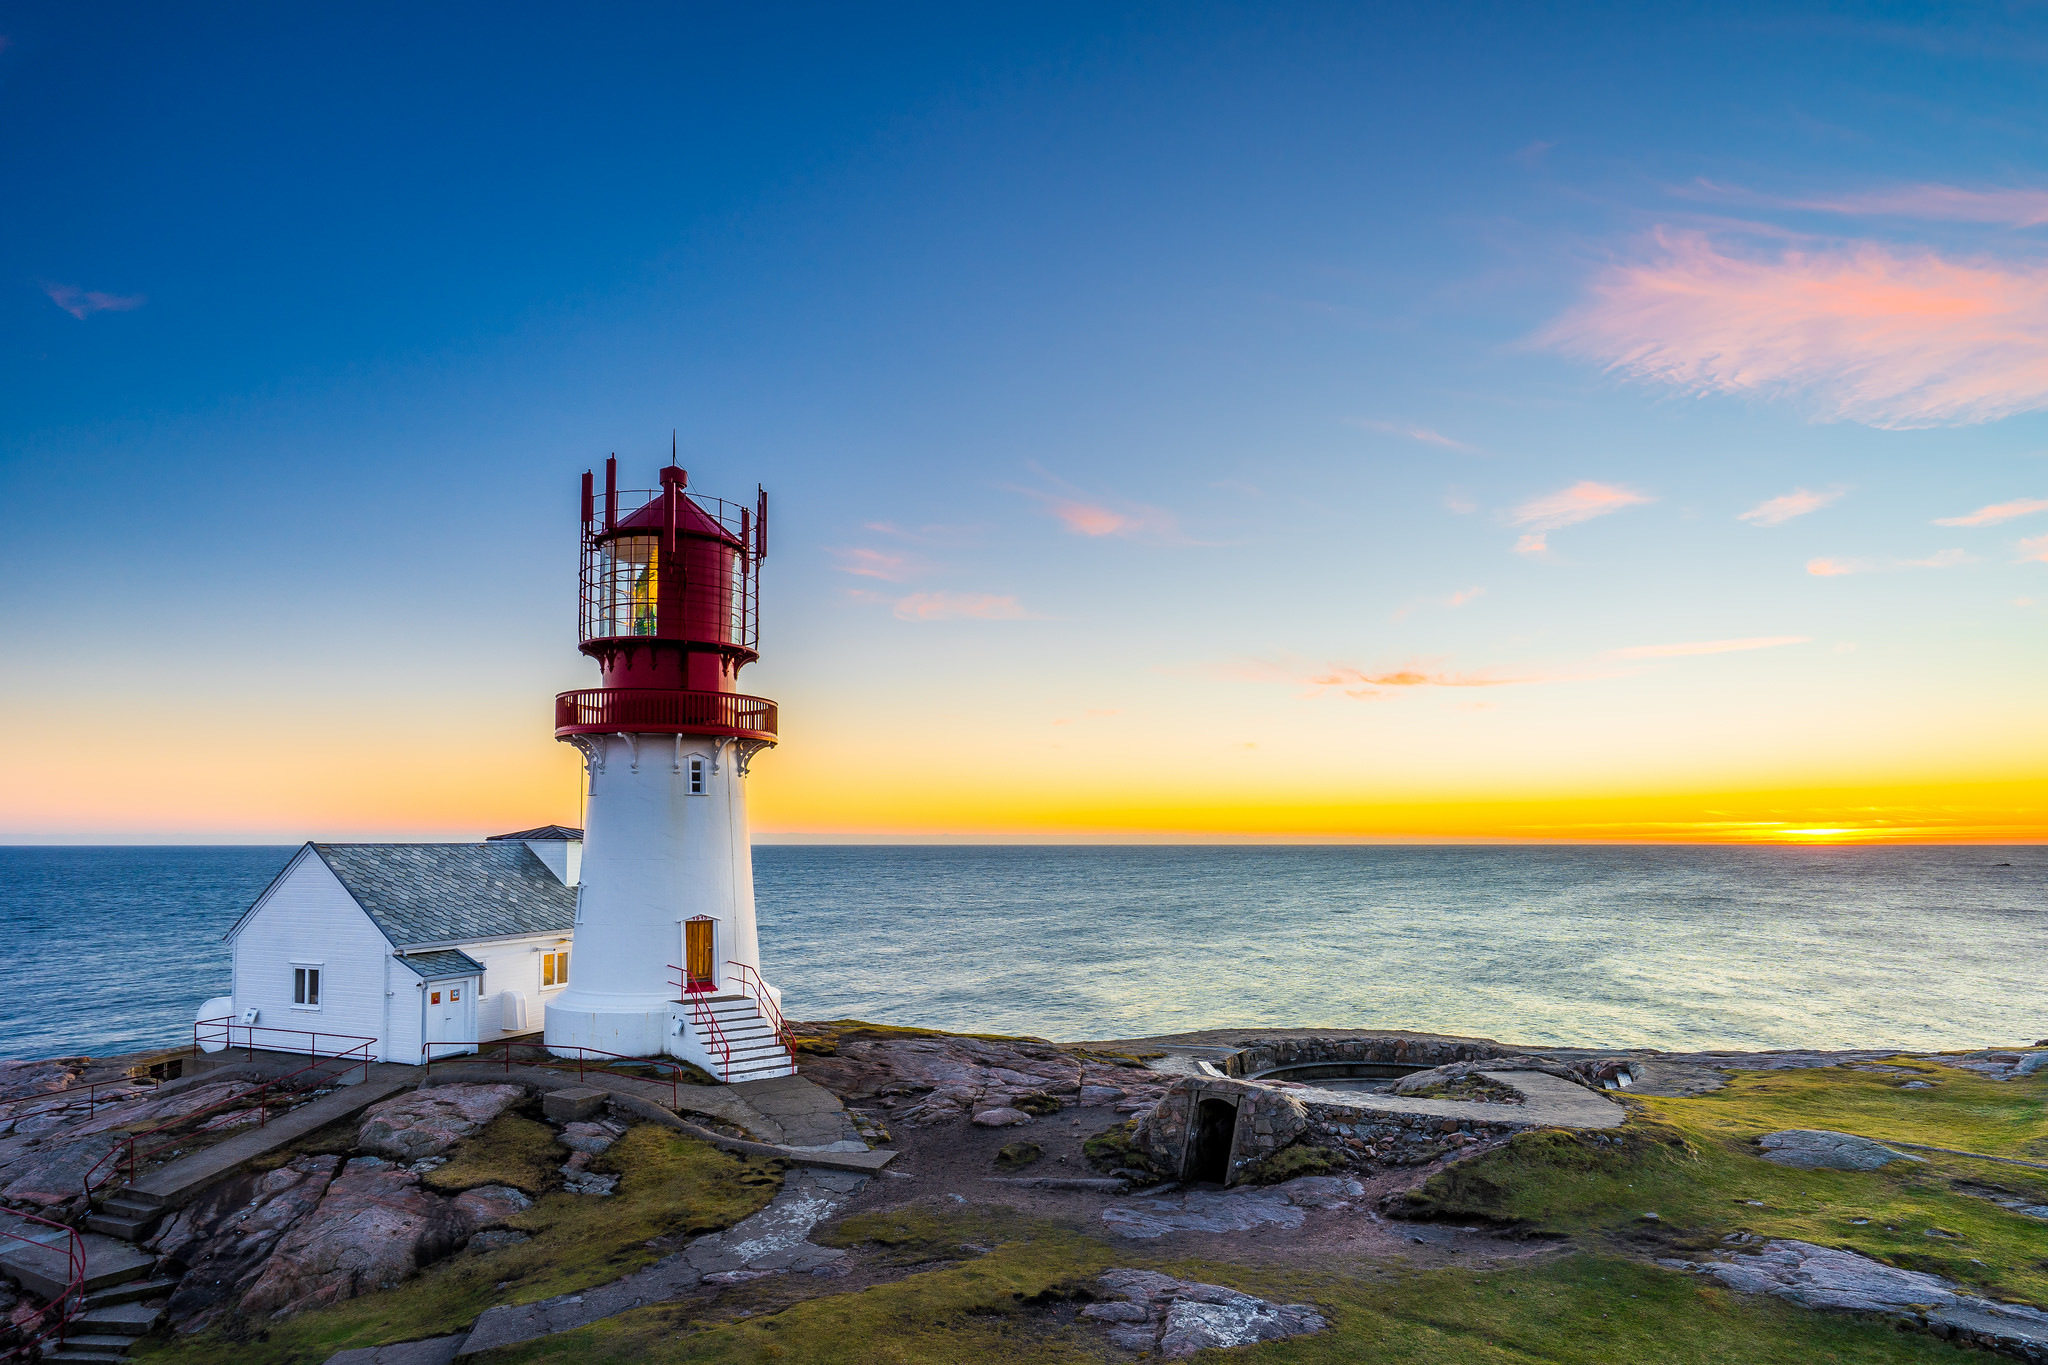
(175, 1184)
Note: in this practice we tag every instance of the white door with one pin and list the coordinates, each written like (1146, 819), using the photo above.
(451, 1016)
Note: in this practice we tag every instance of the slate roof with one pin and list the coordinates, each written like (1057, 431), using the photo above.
(437, 893)
(446, 962)
(543, 834)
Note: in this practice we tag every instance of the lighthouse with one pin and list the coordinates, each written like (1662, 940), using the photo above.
(666, 956)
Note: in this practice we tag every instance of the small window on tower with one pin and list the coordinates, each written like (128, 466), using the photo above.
(306, 986)
(696, 777)
(554, 968)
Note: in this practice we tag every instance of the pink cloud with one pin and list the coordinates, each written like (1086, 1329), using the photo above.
(2035, 547)
(1941, 203)
(867, 563)
(1870, 334)
(1708, 647)
(1779, 510)
(1583, 501)
(1462, 596)
(1835, 568)
(1133, 521)
(953, 606)
(1940, 559)
(1456, 599)
(1426, 435)
(1358, 682)
(1996, 512)
(83, 303)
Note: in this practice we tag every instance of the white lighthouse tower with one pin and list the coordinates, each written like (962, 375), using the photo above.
(667, 961)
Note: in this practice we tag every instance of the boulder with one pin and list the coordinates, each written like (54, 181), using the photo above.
(374, 1228)
(944, 1080)
(428, 1122)
(222, 1239)
(23, 1078)
(54, 1172)
(592, 1139)
(1001, 1118)
(1811, 1149)
(1177, 1318)
(488, 1206)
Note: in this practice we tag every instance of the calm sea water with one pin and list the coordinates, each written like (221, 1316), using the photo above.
(114, 948)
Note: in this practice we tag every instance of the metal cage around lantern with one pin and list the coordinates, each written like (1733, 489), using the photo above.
(630, 560)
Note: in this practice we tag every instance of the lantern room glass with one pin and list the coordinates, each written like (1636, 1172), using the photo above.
(628, 582)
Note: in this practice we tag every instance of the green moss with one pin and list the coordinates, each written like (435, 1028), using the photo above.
(1039, 1104)
(511, 1150)
(1015, 1156)
(1695, 1164)
(670, 1187)
(1016, 1304)
(1289, 1162)
(1113, 1149)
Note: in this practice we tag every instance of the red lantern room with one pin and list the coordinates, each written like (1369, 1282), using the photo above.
(669, 598)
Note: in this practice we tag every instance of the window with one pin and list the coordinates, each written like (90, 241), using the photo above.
(554, 968)
(696, 777)
(306, 987)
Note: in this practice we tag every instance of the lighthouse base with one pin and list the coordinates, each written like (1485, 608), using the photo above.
(723, 1034)
(645, 1032)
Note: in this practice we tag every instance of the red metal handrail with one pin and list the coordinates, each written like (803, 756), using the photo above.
(61, 1099)
(703, 1019)
(226, 1037)
(549, 1054)
(131, 1153)
(662, 710)
(752, 984)
(66, 1304)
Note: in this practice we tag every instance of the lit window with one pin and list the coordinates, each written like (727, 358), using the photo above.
(554, 968)
(696, 777)
(306, 986)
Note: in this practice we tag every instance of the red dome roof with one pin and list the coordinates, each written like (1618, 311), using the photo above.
(691, 520)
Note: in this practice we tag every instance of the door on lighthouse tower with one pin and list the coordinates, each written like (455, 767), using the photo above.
(700, 961)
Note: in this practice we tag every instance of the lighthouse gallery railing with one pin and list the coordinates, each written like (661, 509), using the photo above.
(603, 709)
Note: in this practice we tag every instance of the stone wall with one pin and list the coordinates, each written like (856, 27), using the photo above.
(1389, 1051)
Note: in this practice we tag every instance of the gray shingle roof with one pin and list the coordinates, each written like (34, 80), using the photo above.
(445, 962)
(435, 893)
(544, 833)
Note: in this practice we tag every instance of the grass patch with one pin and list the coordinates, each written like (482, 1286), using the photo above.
(1289, 1162)
(511, 1150)
(1017, 1305)
(670, 1186)
(1693, 1162)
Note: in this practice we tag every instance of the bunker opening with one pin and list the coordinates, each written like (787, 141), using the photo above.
(1209, 1152)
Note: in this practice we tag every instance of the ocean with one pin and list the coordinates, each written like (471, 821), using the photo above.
(1656, 946)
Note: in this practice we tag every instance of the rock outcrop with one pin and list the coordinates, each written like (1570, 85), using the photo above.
(222, 1239)
(945, 1080)
(1237, 1210)
(427, 1122)
(374, 1228)
(1812, 1149)
(1176, 1318)
(1822, 1277)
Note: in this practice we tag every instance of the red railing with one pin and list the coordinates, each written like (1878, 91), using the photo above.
(127, 1154)
(549, 1058)
(64, 1099)
(704, 1021)
(752, 984)
(39, 1329)
(660, 710)
(205, 1032)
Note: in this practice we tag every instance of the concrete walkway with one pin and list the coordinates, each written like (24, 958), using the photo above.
(1550, 1102)
(174, 1185)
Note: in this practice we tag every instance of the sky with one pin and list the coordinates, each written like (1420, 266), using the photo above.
(1182, 422)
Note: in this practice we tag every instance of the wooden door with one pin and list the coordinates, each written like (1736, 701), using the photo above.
(698, 956)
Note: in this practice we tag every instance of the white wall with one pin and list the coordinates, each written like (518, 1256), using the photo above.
(564, 857)
(307, 918)
(514, 965)
(653, 856)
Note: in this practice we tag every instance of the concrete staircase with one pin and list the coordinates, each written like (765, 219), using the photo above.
(756, 1052)
(123, 1298)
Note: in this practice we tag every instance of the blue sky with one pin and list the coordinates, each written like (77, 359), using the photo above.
(1134, 385)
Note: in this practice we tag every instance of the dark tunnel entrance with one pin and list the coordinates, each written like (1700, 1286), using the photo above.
(1209, 1144)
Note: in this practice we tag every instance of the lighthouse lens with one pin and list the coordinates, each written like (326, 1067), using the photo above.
(628, 586)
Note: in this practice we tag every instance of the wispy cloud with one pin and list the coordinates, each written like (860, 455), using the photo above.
(1708, 647)
(83, 303)
(1779, 510)
(1359, 682)
(1940, 559)
(1427, 435)
(1939, 203)
(952, 606)
(871, 563)
(1583, 501)
(1889, 338)
(2034, 547)
(1456, 599)
(1996, 512)
(1085, 515)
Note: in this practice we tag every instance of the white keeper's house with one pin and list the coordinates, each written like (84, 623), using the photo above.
(418, 946)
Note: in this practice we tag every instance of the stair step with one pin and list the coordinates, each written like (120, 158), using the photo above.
(119, 1319)
(127, 1229)
(98, 1341)
(86, 1356)
(131, 1200)
(46, 1270)
(130, 1292)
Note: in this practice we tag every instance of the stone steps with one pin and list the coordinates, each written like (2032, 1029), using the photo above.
(754, 1051)
(45, 1269)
